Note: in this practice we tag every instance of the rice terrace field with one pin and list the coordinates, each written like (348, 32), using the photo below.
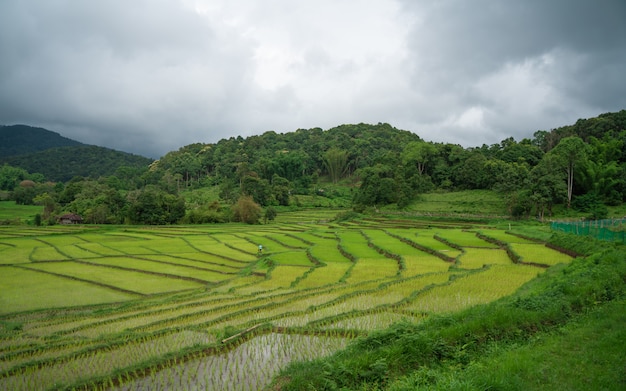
(195, 307)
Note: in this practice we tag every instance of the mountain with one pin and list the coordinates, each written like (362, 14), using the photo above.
(23, 139)
(59, 158)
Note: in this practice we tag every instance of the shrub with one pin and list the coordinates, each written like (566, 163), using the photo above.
(199, 216)
(246, 210)
(270, 214)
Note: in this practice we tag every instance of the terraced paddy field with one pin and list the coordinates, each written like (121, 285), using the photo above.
(195, 307)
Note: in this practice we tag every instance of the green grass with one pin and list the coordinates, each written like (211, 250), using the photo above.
(423, 263)
(202, 261)
(475, 258)
(427, 238)
(298, 258)
(367, 269)
(504, 236)
(11, 212)
(459, 203)
(47, 253)
(18, 250)
(324, 247)
(356, 244)
(283, 239)
(172, 270)
(586, 354)
(125, 280)
(472, 289)
(27, 290)
(464, 238)
(538, 253)
(329, 274)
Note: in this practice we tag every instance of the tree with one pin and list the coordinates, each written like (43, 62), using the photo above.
(291, 165)
(71, 190)
(280, 190)
(378, 186)
(98, 203)
(187, 165)
(47, 202)
(11, 176)
(419, 153)
(570, 152)
(24, 195)
(523, 152)
(546, 185)
(270, 214)
(335, 161)
(154, 206)
(472, 174)
(246, 210)
(600, 178)
(258, 189)
(507, 177)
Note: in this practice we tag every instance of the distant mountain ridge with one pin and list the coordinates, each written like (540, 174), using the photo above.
(58, 158)
(23, 139)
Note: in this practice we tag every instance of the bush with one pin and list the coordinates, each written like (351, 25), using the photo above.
(591, 201)
(199, 216)
(270, 214)
(599, 212)
(586, 202)
(246, 210)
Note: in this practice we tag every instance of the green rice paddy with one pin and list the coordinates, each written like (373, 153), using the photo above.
(126, 308)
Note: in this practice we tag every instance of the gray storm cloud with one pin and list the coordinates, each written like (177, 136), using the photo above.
(149, 77)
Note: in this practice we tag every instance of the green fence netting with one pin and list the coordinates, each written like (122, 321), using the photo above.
(608, 229)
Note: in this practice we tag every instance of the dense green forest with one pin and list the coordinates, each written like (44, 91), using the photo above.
(23, 139)
(60, 164)
(581, 166)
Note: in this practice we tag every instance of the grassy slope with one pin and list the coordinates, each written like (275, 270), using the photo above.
(563, 330)
(586, 353)
(17, 214)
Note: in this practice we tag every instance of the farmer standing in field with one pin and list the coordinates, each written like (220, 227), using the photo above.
(260, 249)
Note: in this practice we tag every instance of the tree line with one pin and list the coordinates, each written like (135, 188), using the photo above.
(582, 166)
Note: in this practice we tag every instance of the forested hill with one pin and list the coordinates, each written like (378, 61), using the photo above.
(59, 158)
(581, 166)
(605, 126)
(292, 155)
(23, 139)
(64, 163)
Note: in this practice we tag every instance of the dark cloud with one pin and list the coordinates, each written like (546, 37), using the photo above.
(139, 76)
(151, 76)
(512, 67)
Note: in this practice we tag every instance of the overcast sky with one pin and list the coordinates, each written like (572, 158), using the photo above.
(151, 76)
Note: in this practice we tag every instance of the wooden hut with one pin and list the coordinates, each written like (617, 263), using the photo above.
(70, 218)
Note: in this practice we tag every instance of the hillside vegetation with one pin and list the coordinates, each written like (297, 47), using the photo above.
(22, 139)
(577, 171)
(44, 156)
(61, 164)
